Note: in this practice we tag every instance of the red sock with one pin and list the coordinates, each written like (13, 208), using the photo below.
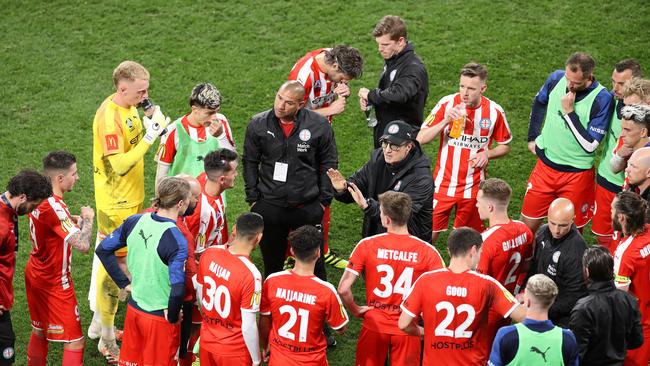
(73, 357)
(36, 350)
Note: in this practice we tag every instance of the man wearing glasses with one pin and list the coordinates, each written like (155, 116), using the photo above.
(398, 165)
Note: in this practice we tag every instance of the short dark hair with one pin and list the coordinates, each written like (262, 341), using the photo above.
(497, 190)
(205, 95)
(473, 70)
(305, 242)
(32, 184)
(599, 263)
(461, 240)
(629, 64)
(249, 225)
(57, 161)
(218, 162)
(397, 206)
(581, 61)
(348, 58)
(634, 208)
(391, 25)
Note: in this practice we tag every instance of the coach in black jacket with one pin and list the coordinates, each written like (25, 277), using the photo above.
(558, 254)
(404, 82)
(607, 322)
(287, 152)
(399, 165)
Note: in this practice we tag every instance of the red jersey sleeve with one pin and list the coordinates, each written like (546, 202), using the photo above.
(167, 148)
(435, 260)
(501, 133)
(503, 302)
(487, 253)
(356, 263)
(412, 305)
(57, 218)
(265, 303)
(337, 317)
(619, 143)
(437, 114)
(251, 293)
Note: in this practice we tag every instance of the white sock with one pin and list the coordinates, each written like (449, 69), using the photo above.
(108, 333)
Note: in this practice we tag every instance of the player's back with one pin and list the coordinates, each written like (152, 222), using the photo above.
(635, 264)
(392, 263)
(208, 222)
(50, 226)
(230, 284)
(299, 306)
(455, 309)
(504, 253)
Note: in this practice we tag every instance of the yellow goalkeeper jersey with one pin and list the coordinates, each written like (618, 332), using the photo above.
(116, 130)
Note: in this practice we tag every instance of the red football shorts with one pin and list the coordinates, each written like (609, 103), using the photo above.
(466, 213)
(373, 347)
(545, 184)
(279, 358)
(197, 318)
(210, 359)
(602, 221)
(54, 311)
(148, 339)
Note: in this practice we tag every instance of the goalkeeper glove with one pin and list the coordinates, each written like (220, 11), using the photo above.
(155, 125)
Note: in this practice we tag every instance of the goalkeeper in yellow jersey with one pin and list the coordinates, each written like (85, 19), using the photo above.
(120, 141)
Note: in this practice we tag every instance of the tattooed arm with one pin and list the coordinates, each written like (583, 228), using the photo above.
(81, 239)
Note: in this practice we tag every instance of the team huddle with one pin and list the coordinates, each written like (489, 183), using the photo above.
(515, 292)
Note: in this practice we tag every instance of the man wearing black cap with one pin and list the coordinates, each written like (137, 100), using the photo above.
(398, 165)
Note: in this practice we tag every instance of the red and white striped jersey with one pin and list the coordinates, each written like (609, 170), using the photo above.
(169, 141)
(50, 227)
(484, 124)
(318, 87)
(208, 223)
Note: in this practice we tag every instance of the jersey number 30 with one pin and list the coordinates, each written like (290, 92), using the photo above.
(216, 297)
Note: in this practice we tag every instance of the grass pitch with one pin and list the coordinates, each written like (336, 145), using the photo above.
(57, 59)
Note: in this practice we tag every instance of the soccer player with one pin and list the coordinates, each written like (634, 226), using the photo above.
(120, 142)
(635, 128)
(609, 182)
(208, 222)
(575, 112)
(403, 84)
(631, 263)
(462, 160)
(295, 306)
(50, 292)
(25, 191)
(507, 244)
(229, 291)
(391, 263)
(156, 262)
(325, 73)
(454, 303)
(190, 138)
(536, 340)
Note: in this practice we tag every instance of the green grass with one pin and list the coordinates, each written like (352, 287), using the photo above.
(57, 59)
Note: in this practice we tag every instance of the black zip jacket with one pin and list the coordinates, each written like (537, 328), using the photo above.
(411, 176)
(561, 260)
(309, 151)
(402, 92)
(606, 324)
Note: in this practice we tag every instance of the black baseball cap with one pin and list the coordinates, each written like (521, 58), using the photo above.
(398, 132)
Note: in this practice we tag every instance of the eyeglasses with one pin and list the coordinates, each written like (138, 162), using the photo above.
(385, 144)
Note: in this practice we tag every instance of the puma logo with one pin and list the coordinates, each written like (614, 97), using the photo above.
(270, 133)
(145, 238)
(199, 158)
(536, 350)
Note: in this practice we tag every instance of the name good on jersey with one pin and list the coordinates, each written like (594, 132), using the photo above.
(50, 226)
(505, 250)
(318, 87)
(208, 223)
(453, 175)
(231, 284)
(169, 142)
(299, 306)
(455, 309)
(116, 130)
(391, 263)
